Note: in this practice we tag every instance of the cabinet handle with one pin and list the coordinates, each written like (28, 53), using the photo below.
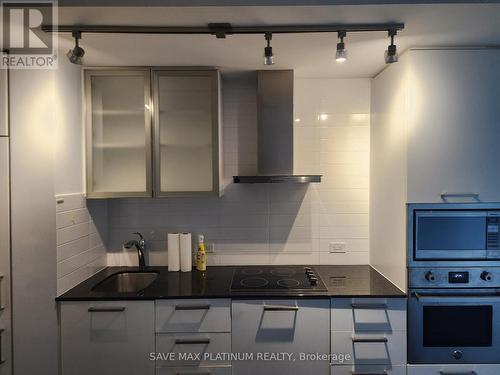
(193, 341)
(1, 346)
(192, 307)
(472, 372)
(378, 306)
(368, 373)
(281, 308)
(192, 373)
(106, 309)
(369, 339)
(445, 195)
(2, 306)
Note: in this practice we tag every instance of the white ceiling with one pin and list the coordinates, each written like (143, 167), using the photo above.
(311, 55)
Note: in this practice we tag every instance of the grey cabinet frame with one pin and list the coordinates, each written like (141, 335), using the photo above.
(214, 74)
(88, 74)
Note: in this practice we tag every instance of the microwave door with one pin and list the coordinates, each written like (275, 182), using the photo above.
(449, 235)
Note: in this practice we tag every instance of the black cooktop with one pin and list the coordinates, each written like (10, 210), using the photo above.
(279, 278)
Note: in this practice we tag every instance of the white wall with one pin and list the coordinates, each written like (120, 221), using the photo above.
(260, 224)
(388, 170)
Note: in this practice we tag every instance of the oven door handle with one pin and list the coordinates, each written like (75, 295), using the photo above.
(420, 296)
(471, 372)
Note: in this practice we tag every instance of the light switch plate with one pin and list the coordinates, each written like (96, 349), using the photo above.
(337, 247)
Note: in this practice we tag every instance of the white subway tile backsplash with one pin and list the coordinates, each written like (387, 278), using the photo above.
(81, 233)
(270, 223)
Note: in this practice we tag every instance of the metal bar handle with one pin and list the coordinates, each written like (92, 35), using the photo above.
(378, 306)
(368, 373)
(1, 347)
(192, 307)
(369, 339)
(471, 372)
(106, 309)
(420, 296)
(192, 341)
(281, 308)
(2, 306)
(445, 195)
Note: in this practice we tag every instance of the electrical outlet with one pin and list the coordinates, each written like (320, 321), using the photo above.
(337, 247)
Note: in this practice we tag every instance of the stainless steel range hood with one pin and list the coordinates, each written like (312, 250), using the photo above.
(275, 130)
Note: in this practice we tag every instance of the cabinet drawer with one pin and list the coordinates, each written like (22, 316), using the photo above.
(193, 371)
(201, 344)
(193, 315)
(371, 348)
(368, 314)
(117, 336)
(453, 369)
(368, 370)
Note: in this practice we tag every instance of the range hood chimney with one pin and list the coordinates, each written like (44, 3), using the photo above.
(275, 130)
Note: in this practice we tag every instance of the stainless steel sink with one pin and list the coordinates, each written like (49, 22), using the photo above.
(126, 282)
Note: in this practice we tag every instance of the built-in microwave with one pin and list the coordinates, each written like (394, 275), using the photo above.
(448, 234)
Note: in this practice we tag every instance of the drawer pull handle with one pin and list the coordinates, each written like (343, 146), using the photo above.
(192, 373)
(369, 339)
(106, 309)
(378, 306)
(368, 373)
(445, 195)
(2, 306)
(472, 372)
(192, 341)
(281, 308)
(1, 348)
(192, 307)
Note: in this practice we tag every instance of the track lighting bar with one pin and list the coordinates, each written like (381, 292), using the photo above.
(220, 30)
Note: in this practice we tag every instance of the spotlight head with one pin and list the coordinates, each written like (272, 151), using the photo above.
(391, 55)
(75, 55)
(341, 54)
(268, 50)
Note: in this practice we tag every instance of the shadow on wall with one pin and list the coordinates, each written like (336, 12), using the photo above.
(247, 225)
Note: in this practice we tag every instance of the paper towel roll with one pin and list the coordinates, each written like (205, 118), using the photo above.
(186, 252)
(174, 251)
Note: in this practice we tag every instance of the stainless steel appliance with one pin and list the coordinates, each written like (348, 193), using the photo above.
(282, 279)
(454, 283)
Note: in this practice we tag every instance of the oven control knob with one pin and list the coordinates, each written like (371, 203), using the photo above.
(486, 276)
(429, 276)
(457, 354)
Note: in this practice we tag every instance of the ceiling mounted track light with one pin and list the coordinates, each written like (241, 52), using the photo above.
(268, 50)
(391, 55)
(341, 54)
(76, 54)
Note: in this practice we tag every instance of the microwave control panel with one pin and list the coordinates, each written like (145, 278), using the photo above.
(448, 277)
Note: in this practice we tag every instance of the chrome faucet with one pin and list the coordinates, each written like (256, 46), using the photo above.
(140, 246)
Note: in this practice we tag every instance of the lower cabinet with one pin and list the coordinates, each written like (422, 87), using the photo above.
(271, 327)
(453, 369)
(102, 338)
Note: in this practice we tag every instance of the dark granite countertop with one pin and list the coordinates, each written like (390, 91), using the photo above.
(341, 281)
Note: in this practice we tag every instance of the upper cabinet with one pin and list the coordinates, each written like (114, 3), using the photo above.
(186, 132)
(436, 119)
(152, 132)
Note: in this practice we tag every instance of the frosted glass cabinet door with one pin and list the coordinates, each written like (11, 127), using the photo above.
(186, 131)
(118, 133)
